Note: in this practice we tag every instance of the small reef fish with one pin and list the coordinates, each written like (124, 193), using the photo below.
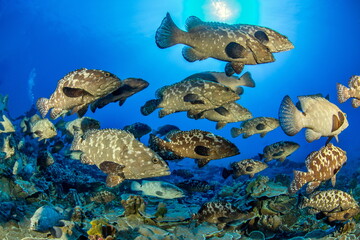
(158, 189)
(129, 87)
(76, 91)
(335, 204)
(258, 125)
(194, 185)
(244, 167)
(7, 148)
(81, 125)
(322, 165)
(118, 154)
(279, 150)
(163, 130)
(318, 115)
(193, 95)
(6, 126)
(353, 91)
(197, 144)
(41, 128)
(230, 81)
(46, 218)
(220, 213)
(3, 107)
(138, 129)
(228, 113)
(221, 41)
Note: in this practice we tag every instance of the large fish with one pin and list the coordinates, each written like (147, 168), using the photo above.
(194, 95)
(258, 125)
(129, 87)
(194, 185)
(212, 39)
(227, 113)
(118, 154)
(279, 150)
(331, 203)
(232, 82)
(353, 91)
(200, 145)
(244, 167)
(76, 91)
(318, 115)
(158, 189)
(322, 165)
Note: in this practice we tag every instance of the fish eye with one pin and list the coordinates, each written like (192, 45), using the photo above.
(107, 74)
(155, 160)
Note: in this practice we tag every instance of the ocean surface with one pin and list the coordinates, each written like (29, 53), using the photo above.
(42, 41)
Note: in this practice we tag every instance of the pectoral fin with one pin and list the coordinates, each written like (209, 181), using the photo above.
(337, 121)
(222, 111)
(192, 55)
(278, 153)
(74, 92)
(201, 150)
(333, 180)
(235, 50)
(201, 162)
(193, 99)
(112, 180)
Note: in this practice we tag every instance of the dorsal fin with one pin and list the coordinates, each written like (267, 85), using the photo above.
(192, 22)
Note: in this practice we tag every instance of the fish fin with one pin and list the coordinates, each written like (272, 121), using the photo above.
(122, 101)
(42, 105)
(329, 139)
(261, 36)
(311, 135)
(220, 125)
(135, 186)
(237, 67)
(333, 180)
(203, 151)
(260, 126)
(312, 186)
(313, 211)
(229, 70)
(246, 80)
(85, 160)
(352, 82)
(342, 93)
(201, 162)
(93, 106)
(263, 134)
(261, 156)
(193, 22)
(150, 106)
(239, 91)
(222, 111)
(163, 112)
(55, 113)
(196, 112)
(112, 180)
(226, 173)
(282, 159)
(74, 92)
(192, 55)
(168, 33)
(290, 117)
(81, 112)
(337, 122)
(300, 179)
(355, 103)
(235, 50)
(235, 132)
(193, 99)
(38, 133)
(56, 232)
(246, 135)
(251, 175)
(303, 202)
(278, 153)
(109, 167)
(195, 116)
(158, 142)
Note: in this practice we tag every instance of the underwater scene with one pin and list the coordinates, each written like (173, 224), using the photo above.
(179, 119)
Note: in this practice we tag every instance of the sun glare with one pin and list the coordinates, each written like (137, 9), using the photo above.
(221, 10)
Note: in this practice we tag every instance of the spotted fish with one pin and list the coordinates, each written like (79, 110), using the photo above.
(221, 213)
(258, 125)
(158, 189)
(244, 167)
(230, 81)
(194, 185)
(200, 145)
(279, 150)
(129, 87)
(163, 152)
(322, 165)
(227, 113)
(212, 39)
(118, 154)
(335, 204)
(194, 95)
(353, 91)
(41, 128)
(76, 91)
(81, 125)
(318, 115)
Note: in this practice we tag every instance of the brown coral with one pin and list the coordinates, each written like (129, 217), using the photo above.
(134, 205)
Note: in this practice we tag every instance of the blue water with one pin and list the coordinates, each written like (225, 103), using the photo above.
(41, 41)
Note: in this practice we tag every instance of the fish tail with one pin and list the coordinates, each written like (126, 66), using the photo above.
(290, 117)
(226, 173)
(246, 80)
(154, 140)
(150, 106)
(135, 186)
(355, 103)
(303, 202)
(343, 93)
(42, 105)
(235, 132)
(300, 179)
(168, 33)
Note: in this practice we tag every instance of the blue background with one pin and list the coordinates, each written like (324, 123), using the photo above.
(41, 41)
